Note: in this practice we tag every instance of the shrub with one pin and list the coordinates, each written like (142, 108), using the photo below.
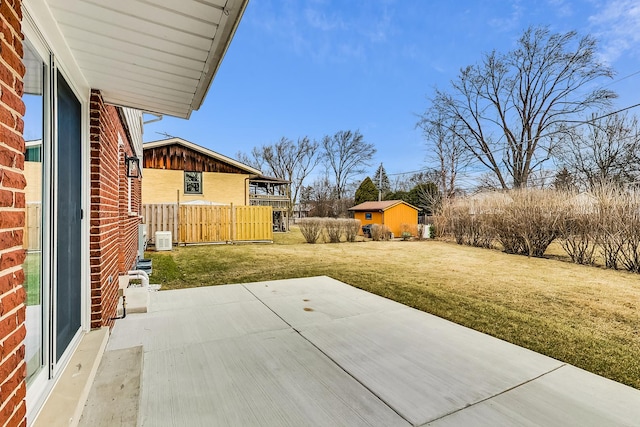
(376, 232)
(522, 221)
(333, 228)
(578, 237)
(380, 232)
(630, 252)
(311, 229)
(408, 230)
(470, 222)
(351, 229)
(610, 217)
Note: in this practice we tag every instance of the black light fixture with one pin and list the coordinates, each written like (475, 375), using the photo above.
(132, 165)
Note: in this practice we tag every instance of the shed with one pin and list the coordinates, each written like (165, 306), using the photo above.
(392, 213)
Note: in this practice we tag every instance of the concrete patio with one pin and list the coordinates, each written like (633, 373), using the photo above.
(318, 352)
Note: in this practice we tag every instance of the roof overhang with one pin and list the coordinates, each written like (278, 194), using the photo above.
(152, 55)
(379, 206)
(265, 179)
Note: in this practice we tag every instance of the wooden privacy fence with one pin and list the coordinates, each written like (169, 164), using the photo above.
(32, 221)
(209, 224)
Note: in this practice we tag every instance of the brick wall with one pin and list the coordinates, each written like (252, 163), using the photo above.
(113, 232)
(12, 217)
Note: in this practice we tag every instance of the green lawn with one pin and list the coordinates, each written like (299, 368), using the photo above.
(586, 316)
(31, 268)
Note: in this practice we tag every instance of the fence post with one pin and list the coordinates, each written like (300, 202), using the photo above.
(232, 223)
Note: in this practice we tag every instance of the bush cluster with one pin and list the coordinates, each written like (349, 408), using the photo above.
(380, 232)
(333, 230)
(602, 223)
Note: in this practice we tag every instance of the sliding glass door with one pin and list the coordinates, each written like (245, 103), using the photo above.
(53, 221)
(69, 216)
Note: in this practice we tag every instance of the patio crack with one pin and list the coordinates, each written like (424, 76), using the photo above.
(495, 395)
(387, 404)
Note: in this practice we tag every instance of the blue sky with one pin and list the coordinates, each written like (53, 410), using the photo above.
(312, 67)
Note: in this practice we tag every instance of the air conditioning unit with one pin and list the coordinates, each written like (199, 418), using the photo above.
(163, 241)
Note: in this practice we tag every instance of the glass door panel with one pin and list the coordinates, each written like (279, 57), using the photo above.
(69, 216)
(34, 99)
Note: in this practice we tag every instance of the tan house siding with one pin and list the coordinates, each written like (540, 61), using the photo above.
(33, 174)
(166, 186)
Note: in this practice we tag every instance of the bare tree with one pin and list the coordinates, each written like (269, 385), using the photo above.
(448, 155)
(254, 159)
(509, 105)
(293, 161)
(288, 160)
(608, 150)
(426, 194)
(321, 198)
(346, 155)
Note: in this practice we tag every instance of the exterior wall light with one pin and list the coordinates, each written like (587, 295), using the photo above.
(132, 165)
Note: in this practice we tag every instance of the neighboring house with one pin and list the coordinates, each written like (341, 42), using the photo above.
(75, 77)
(179, 171)
(301, 210)
(274, 192)
(392, 213)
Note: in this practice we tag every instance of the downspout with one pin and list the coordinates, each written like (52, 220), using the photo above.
(246, 190)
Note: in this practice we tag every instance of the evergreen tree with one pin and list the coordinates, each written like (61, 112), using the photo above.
(381, 180)
(366, 192)
(564, 180)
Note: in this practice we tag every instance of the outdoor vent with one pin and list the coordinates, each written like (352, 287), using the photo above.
(163, 241)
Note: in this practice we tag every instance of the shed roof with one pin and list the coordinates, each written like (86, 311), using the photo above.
(153, 55)
(202, 150)
(380, 206)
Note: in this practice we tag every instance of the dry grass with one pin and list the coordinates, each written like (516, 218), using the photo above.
(586, 316)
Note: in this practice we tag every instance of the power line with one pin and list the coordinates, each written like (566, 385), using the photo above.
(584, 122)
(620, 79)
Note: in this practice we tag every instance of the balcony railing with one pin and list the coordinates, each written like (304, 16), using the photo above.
(280, 202)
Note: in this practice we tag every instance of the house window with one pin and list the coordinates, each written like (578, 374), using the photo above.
(367, 215)
(33, 153)
(192, 182)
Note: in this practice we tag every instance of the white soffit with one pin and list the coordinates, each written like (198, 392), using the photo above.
(153, 55)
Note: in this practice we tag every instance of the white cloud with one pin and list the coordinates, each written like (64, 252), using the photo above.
(326, 32)
(317, 19)
(510, 22)
(563, 8)
(617, 27)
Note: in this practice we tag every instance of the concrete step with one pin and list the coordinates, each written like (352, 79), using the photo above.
(65, 403)
(114, 398)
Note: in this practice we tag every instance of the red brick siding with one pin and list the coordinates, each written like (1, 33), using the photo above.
(113, 233)
(12, 217)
